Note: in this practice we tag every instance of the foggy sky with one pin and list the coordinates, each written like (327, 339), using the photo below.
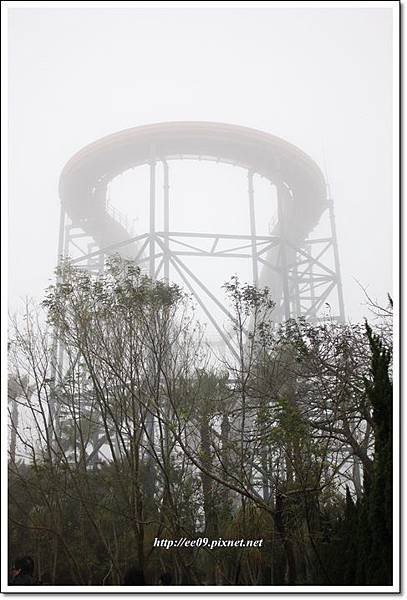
(321, 78)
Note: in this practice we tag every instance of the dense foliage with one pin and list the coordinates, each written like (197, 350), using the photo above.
(125, 428)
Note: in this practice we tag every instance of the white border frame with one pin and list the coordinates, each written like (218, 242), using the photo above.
(216, 590)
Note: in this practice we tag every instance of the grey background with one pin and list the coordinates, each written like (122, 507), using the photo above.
(321, 78)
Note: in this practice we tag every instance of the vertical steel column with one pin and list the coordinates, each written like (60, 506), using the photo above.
(152, 359)
(62, 234)
(67, 241)
(101, 257)
(152, 215)
(296, 287)
(253, 229)
(281, 193)
(312, 310)
(336, 258)
(60, 363)
(166, 222)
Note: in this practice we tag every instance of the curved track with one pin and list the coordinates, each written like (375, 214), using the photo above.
(298, 178)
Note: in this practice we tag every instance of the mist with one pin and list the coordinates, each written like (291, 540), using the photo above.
(320, 78)
(200, 286)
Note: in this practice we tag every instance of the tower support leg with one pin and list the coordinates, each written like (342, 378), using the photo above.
(337, 263)
(166, 222)
(152, 217)
(255, 271)
(281, 198)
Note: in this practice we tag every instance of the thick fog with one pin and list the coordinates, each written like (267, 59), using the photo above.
(320, 78)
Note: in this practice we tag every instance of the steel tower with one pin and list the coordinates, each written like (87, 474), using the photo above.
(302, 271)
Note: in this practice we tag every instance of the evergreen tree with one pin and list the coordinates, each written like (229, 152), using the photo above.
(380, 492)
(364, 543)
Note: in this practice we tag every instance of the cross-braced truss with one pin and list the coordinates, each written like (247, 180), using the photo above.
(309, 280)
(302, 272)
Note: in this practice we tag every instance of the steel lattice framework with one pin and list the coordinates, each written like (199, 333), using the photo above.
(303, 272)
